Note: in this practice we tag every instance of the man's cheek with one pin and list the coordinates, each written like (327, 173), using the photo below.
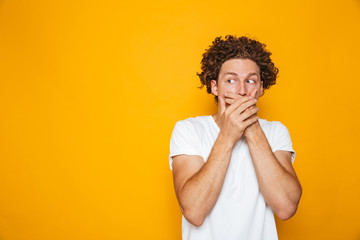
(230, 90)
(226, 104)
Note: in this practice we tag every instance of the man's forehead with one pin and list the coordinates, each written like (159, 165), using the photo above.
(240, 67)
(246, 74)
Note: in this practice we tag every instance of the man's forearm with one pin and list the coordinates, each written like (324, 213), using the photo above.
(281, 190)
(200, 192)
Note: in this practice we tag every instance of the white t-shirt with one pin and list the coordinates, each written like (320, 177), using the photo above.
(240, 211)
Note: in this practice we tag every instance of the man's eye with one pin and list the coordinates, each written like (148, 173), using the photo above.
(251, 81)
(231, 80)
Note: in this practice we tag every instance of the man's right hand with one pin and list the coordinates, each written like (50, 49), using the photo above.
(235, 118)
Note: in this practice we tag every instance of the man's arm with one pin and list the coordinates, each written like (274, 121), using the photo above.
(276, 176)
(198, 184)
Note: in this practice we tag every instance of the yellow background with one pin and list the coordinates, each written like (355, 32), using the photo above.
(90, 92)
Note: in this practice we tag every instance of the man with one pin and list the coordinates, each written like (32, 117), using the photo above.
(232, 170)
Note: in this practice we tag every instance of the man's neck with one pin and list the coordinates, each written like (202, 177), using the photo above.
(216, 117)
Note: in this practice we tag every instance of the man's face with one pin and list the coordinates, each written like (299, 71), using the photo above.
(240, 76)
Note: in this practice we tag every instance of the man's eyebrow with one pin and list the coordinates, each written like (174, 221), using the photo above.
(250, 74)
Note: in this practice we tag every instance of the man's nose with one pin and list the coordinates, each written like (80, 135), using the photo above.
(241, 89)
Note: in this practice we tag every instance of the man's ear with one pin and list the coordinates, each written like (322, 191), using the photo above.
(214, 87)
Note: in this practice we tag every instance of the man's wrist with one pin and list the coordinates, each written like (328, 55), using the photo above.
(226, 141)
(253, 130)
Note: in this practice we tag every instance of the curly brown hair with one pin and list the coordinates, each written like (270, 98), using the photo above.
(233, 47)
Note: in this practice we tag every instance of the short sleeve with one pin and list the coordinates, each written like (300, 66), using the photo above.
(184, 140)
(283, 140)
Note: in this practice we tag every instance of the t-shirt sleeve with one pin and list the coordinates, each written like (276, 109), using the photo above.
(283, 140)
(184, 140)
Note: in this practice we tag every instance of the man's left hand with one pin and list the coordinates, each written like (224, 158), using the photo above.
(231, 97)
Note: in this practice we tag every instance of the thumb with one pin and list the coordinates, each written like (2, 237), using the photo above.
(222, 104)
(253, 94)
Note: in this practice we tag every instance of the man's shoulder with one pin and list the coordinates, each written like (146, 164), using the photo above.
(269, 124)
(197, 125)
(273, 129)
(194, 121)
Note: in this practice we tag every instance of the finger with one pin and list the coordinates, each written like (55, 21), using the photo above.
(237, 103)
(245, 105)
(230, 100)
(250, 121)
(253, 93)
(246, 114)
(222, 104)
(234, 95)
(251, 107)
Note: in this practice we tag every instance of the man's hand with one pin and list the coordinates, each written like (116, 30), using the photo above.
(232, 98)
(235, 118)
(253, 127)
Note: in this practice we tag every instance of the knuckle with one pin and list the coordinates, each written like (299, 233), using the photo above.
(228, 115)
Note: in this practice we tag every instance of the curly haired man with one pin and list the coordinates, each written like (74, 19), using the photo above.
(233, 170)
